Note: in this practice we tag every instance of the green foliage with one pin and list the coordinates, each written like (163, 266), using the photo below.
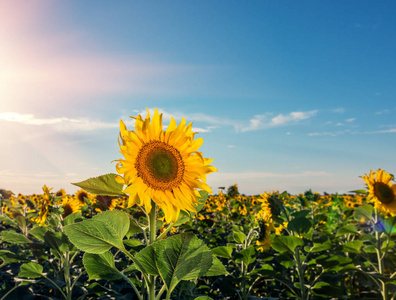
(102, 185)
(99, 234)
(101, 266)
(180, 257)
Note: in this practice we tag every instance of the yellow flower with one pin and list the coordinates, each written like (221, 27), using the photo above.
(70, 206)
(266, 225)
(45, 202)
(81, 195)
(60, 193)
(381, 190)
(163, 166)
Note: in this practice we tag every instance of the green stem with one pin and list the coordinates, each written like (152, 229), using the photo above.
(153, 234)
(57, 286)
(132, 285)
(300, 271)
(160, 292)
(66, 270)
(380, 257)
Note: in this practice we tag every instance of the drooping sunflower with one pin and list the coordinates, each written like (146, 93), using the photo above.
(266, 226)
(163, 166)
(381, 190)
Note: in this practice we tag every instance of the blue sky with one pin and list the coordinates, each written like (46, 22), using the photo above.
(288, 95)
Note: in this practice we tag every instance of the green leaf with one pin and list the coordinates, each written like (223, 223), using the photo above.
(353, 246)
(57, 241)
(223, 251)
(14, 238)
(347, 229)
(247, 255)
(99, 234)
(299, 225)
(101, 266)
(145, 260)
(102, 185)
(39, 232)
(7, 220)
(31, 270)
(203, 298)
(286, 243)
(180, 257)
(364, 192)
(321, 246)
(217, 268)
(21, 220)
(8, 257)
(73, 218)
(133, 242)
(239, 236)
(365, 211)
(134, 228)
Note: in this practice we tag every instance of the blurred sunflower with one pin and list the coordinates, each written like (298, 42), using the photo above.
(43, 206)
(381, 190)
(163, 166)
(266, 226)
(70, 206)
(81, 195)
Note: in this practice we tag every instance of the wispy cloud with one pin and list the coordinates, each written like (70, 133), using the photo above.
(326, 133)
(350, 120)
(338, 110)
(61, 124)
(269, 121)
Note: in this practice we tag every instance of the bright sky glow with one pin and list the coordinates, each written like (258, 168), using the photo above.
(287, 95)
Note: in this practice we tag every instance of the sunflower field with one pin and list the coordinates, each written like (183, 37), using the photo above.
(155, 230)
(272, 246)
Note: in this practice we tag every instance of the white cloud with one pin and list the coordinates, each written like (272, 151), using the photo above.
(60, 124)
(266, 121)
(339, 110)
(326, 133)
(350, 120)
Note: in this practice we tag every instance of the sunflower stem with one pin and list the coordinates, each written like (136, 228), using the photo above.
(380, 259)
(153, 234)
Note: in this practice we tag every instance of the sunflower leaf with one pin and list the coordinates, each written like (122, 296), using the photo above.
(101, 266)
(102, 185)
(99, 234)
(31, 270)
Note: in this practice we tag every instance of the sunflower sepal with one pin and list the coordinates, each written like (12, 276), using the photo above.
(105, 185)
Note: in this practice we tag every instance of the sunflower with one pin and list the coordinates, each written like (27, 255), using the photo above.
(163, 166)
(266, 225)
(44, 204)
(70, 205)
(81, 195)
(381, 190)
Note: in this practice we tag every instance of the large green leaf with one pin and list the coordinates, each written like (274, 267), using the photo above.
(286, 243)
(102, 185)
(101, 266)
(180, 257)
(347, 229)
(31, 270)
(100, 233)
(247, 255)
(14, 238)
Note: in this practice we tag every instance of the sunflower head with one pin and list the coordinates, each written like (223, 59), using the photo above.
(162, 166)
(381, 190)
